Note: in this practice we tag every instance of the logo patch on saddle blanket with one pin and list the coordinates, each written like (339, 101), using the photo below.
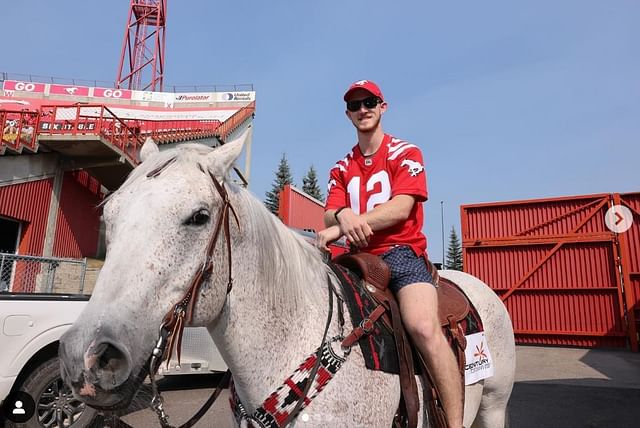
(379, 347)
(479, 363)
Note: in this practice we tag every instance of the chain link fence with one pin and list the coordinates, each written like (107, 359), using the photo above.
(31, 274)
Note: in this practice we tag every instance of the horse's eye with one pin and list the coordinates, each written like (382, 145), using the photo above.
(198, 218)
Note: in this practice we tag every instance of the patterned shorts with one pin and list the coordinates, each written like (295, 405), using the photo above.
(406, 268)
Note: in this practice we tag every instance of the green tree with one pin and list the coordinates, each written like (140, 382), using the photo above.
(310, 185)
(283, 177)
(454, 252)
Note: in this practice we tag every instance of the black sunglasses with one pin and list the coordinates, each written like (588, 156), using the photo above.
(369, 102)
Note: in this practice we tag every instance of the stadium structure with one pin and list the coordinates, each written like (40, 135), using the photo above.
(66, 143)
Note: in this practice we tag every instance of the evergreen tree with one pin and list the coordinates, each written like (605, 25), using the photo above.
(283, 177)
(454, 252)
(310, 185)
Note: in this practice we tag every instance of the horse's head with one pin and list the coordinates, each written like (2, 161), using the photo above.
(158, 227)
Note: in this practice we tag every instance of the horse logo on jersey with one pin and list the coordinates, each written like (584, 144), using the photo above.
(332, 183)
(414, 167)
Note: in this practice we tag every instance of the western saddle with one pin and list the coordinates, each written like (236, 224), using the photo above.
(453, 307)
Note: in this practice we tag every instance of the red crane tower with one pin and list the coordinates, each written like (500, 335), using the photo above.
(142, 58)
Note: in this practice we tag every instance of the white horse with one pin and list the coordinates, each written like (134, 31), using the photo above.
(158, 229)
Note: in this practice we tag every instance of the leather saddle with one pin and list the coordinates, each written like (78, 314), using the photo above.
(453, 305)
(453, 308)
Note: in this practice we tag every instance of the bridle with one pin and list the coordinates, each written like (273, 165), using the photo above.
(181, 314)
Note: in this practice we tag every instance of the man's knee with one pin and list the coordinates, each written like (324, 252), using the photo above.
(424, 328)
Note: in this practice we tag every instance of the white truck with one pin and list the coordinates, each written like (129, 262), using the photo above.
(30, 327)
(32, 323)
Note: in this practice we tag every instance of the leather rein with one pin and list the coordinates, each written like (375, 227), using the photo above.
(181, 314)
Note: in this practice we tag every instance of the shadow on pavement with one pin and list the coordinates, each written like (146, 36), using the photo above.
(540, 404)
(142, 399)
(576, 387)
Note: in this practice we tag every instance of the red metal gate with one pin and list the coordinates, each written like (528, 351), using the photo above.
(630, 266)
(557, 267)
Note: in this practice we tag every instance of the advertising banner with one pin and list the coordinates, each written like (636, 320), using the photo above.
(162, 97)
(236, 96)
(65, 126)
(72, 90)
(14, 85)
(123, 94)
(129, 113)
(195, 97)
(479, 364)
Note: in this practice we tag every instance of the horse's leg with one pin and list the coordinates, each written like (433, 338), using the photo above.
(491, 415)
(495, 394)
(472, 399)
(499, 334)
(497, 388)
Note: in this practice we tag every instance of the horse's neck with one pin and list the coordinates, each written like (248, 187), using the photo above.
(273, 318)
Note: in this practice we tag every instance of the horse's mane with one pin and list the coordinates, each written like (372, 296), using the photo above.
(287, 258)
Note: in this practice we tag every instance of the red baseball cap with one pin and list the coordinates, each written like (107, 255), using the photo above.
(367, 85)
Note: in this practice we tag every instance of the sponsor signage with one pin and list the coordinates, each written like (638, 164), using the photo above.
(127, 113)
(195, 97)
(65, 126)
(479, 364)
(237, 96)
(163, 97)
(15, 85)
(71, 90)
(123, 94)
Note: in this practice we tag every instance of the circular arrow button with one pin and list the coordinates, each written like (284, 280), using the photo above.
(618, 218)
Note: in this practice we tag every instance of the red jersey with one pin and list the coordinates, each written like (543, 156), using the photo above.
(363, 183)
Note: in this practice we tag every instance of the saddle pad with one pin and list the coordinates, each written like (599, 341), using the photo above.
(379, 347)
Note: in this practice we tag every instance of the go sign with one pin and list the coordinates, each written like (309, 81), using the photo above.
(112, 93)
(13, 85)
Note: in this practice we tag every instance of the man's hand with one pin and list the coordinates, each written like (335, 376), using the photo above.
(327, 236)
(354, 227)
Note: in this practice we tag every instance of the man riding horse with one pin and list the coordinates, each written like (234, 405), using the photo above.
(375, 200)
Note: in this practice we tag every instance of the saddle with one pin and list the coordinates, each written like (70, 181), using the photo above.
(453, 308)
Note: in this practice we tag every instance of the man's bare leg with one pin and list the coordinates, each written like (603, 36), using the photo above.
(419, 309)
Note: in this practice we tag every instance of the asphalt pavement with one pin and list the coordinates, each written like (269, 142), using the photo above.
(560, 387)
(555, 387)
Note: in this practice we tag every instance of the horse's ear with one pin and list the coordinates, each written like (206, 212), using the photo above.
(148, 149)
(223, 157)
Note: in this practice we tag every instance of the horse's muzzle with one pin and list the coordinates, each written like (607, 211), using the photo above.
(98, 374)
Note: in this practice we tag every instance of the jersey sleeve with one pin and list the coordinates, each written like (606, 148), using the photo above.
(337, 191)
(409, 174)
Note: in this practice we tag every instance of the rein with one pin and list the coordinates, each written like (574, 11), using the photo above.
(181, 314)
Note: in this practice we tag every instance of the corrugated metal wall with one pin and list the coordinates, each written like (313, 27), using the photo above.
(299, 210)
(29, 204)
(78, 221)
(630, 249)
(554, 264)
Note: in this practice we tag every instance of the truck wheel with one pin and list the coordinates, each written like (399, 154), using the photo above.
(55, 404)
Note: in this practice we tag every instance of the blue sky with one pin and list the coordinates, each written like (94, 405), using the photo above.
(508, 100)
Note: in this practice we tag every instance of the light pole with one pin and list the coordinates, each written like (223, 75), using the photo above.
(444, 266)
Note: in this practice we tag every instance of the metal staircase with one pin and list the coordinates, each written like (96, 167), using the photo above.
(92, 137)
